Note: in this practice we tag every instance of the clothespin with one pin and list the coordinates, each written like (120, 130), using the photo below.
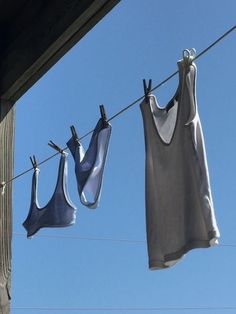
(189, 55)
(2, 186)
(74, 134)
(56, 147)
(34, 162)
(147, 89)
(103, 115)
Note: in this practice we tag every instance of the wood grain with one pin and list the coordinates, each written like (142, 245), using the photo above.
(7, 117)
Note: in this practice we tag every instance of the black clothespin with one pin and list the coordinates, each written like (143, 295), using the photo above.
(74, 134)
(56, 147)
(103, 115)
(34, 162)
(147, 89)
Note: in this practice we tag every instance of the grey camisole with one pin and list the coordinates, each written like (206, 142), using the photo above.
(59, 212)
(179, 208)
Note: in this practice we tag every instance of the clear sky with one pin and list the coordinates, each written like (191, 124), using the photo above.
(137, 39)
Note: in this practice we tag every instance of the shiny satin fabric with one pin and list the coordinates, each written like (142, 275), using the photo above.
(89, 165)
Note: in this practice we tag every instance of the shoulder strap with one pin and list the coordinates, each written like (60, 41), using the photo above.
(190, 81)
(188, 70)
(61, 172)
(61, 185)
(34, 189)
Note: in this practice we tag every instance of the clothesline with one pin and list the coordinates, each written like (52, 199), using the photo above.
(129, 309)
(3, 184)
(99, 239)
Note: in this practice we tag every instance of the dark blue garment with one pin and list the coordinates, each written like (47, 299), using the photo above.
(89, 166)
(59, 212)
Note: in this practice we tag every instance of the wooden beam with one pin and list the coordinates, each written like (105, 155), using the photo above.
(48, 30)
(7, 118)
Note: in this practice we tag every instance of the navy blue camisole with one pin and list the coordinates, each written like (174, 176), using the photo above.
(59, 212)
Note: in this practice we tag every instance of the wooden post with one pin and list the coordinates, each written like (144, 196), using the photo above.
(7, 119)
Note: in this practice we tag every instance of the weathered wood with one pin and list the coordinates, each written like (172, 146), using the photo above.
(40, 36)
(7, 117)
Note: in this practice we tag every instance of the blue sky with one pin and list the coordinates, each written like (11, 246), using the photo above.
(136, 40)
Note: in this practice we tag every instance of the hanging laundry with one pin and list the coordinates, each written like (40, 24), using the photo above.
(60, 211)
(179, 208)
(89, 165)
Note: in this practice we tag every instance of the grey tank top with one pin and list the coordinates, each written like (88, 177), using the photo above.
(59, 212)
(89, 165)
(179, 208)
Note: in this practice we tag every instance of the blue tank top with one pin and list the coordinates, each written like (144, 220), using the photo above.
(89, 165)
(59, 212)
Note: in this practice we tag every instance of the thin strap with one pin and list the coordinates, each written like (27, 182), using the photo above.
(34, 189)
(34, 180)
(61, 168)
(190, 85)
(61, 185)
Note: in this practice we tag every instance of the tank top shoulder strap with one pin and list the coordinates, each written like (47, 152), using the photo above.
(188, 72)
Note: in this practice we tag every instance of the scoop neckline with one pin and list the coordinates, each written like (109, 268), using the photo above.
(156, 108)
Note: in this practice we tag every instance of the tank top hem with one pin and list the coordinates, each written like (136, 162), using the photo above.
(173, 258)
